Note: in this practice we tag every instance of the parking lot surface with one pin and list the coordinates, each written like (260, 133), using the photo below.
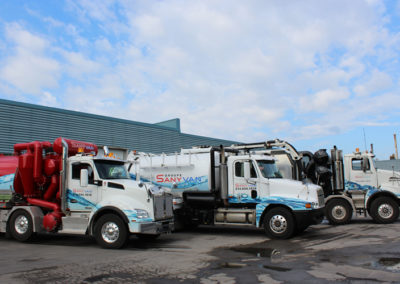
(361, 252)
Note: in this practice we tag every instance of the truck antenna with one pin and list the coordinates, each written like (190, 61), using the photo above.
(365, 140)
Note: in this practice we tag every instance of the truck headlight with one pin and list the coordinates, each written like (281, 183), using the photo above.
(141, 214)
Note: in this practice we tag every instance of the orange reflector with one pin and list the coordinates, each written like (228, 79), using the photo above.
(133, 220)
(308, 205)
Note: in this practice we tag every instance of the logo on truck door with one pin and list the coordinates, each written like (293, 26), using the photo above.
(163, 178)
(245, 186)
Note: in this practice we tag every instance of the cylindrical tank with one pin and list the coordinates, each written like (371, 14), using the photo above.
(74, 146)
(25, 174)
(51, 164)
(8, 165)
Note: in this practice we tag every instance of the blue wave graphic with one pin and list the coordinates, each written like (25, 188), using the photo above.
(7, 182)
(80, 201)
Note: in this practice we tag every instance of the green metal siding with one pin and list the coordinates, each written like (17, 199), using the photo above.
(21, 122)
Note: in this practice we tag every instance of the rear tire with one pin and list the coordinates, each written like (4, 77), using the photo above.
(111, 232)
(21, 226)
(279, 223)
(338, 212)
(384, 210)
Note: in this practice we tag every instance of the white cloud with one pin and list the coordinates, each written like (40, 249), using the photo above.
(379, 81)
(48, 99)
(323, 100)
(229, 69)
(77, 64)
(29, 69)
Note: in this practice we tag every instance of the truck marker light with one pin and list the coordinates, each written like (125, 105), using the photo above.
(308, 205)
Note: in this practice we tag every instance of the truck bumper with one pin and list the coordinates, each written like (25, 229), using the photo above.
(309, 217)
(152, 228)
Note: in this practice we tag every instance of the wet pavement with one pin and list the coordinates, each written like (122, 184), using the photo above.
(361, 252)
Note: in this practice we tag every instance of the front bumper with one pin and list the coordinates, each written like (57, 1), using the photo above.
(309, 217)
(152, 228)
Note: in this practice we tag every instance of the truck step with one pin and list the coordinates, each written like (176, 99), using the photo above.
(74, 225)
(358, 197)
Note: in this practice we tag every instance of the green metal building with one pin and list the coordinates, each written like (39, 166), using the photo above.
(22, 122)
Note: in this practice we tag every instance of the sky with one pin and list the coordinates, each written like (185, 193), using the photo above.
(314, 73)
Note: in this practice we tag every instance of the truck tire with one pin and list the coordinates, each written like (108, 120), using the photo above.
(384, 210)
(338, 212)
(21, 226)
(279, 223)
(111, 232)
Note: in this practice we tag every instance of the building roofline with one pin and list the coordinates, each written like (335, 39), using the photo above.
(83, 114)
(103, 117)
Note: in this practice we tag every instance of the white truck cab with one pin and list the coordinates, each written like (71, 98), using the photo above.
(351, 182)
(222, 186)
(99, 185)
(72, 191)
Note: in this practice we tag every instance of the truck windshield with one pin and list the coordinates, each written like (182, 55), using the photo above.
(111, 169)
(268, 169)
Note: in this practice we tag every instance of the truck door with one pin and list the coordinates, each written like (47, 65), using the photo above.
(245, 181)
(81, 197)
(362, 171)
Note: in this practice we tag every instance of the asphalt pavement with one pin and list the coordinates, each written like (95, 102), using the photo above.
(360, 252)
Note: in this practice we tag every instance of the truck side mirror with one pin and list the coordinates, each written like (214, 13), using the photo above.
(365, 166)
(247, 170)
(84, 178)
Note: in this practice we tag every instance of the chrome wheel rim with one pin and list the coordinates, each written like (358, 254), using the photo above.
(385, 211)
(339, 212)
(278, 224)
(110, 232)
(21, 224)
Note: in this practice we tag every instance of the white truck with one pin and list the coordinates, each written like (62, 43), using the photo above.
(351, 183)
(69, 190)
(221, 186)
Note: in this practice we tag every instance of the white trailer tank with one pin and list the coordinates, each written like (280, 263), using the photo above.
(189, 170)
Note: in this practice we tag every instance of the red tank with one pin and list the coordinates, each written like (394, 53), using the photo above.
(8, 165)
(37, 175)
(74, 147)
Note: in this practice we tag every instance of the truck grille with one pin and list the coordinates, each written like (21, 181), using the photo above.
(163, 207)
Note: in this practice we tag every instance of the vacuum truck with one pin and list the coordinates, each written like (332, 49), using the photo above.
(351, 182)
(221, 186)
(62, 187)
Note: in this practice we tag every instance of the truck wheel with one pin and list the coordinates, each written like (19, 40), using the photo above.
(21, 226)
(338, 212)
(279, 223)
(111, 232)
(384, 210)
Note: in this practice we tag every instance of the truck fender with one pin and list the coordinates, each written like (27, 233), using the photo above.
(260, 220)
(348, 199)
(106, 210)
(36, 214)
(380, 193)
